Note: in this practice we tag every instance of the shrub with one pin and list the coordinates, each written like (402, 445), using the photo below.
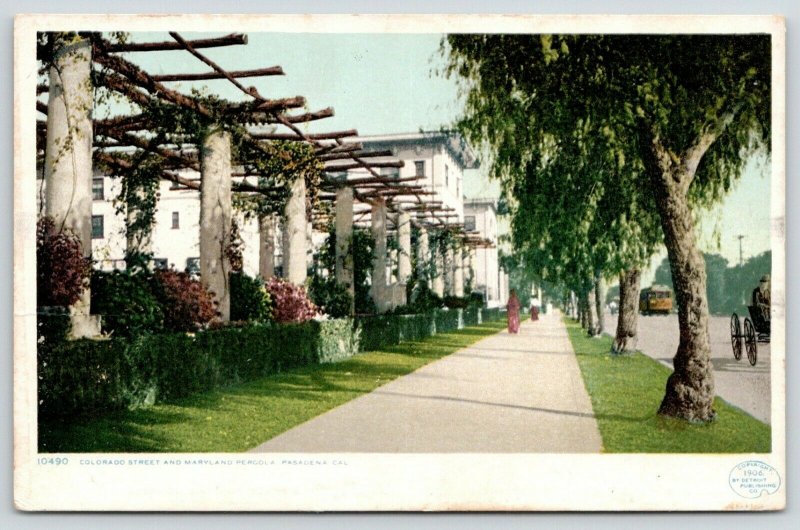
(455, 302)
(94, 377)
(330, 296)
(188, 305)
(290, 302)
(476, 299)
(62, 272)
(53, 324)
(249, 299)
(378, 331)
(126, 302)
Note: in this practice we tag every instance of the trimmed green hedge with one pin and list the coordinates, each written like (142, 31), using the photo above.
(96, 376)
(380, 331)
(88, 376)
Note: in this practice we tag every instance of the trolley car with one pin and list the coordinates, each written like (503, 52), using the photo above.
(655, 299)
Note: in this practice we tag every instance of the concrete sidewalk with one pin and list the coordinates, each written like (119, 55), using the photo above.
(504, 394)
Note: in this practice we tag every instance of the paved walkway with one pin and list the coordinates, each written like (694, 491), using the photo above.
(504, 394)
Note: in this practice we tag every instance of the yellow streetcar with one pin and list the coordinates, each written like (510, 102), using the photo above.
(655, 299)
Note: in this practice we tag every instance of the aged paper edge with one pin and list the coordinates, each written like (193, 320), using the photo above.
(368, 482)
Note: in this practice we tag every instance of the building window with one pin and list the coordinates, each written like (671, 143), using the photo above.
(419, 168)
(98, 188)
(193, 265)
(176, 220)
(160, 263)
(97, 227)
(469, 223)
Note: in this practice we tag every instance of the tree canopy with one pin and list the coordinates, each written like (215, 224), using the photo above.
(599, 139)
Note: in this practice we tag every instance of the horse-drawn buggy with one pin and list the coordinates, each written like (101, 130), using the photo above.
(756, 327)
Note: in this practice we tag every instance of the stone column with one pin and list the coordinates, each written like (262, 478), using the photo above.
(458, 273)
(379, 255)
(215, 217)
(470, 268)
(294, 234)
(438, 279)
(68, 158)
(137, 241)
(404, 242)
(449, 276)
(266, 247)
(423, 256)
(345, 270)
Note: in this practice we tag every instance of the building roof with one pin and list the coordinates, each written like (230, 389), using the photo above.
(453, 141)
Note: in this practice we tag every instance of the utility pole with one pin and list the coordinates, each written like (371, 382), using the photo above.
(741, 259)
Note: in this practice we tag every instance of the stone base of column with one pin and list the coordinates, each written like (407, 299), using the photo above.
(85, 326)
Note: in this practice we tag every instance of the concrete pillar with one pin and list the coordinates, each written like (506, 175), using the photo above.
(294, 234)
(423, 257)
(449, 276)
(458, 273)
(266, 247)
(344, 238)
(379, 255)
(404, 242)
(138, 241)
(469, 273)
(68, 158)
(438, 278)
(215, 217)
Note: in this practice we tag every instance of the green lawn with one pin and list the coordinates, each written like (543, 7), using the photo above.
(243, 416)
(626, 392)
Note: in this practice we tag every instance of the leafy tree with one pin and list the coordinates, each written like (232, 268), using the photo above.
(682, 111)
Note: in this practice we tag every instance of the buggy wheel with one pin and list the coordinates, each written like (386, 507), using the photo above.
(736, 336)
(751, 341)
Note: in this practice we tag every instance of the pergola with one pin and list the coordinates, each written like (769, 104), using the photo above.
(70, 141)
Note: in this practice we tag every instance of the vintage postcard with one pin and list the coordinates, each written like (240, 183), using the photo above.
(399, 263)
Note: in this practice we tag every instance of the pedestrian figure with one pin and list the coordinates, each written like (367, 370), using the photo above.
(513, 307)
(534, 309)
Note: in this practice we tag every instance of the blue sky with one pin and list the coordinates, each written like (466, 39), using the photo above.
(386, 83)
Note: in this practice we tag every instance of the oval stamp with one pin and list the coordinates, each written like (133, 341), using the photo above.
(752, 478)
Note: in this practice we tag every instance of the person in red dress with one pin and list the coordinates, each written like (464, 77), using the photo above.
(513, 306)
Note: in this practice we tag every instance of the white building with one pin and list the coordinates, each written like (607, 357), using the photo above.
(176, 230)
(440, 157)
(480, 215)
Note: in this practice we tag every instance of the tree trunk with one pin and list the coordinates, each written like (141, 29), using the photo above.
(627, 317)
(690, 388)
(591, 312)
(582, 316)
(599, 297)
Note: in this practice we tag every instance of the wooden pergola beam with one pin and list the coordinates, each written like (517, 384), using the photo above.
(234, 39)
(260, 72)
(347, 155)
(307, 137)
(344, 167)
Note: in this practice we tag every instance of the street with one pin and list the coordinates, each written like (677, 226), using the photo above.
(742, 385)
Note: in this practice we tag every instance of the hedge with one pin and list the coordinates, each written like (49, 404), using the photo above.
(90, 376)
(86, 377)
(380, 331)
